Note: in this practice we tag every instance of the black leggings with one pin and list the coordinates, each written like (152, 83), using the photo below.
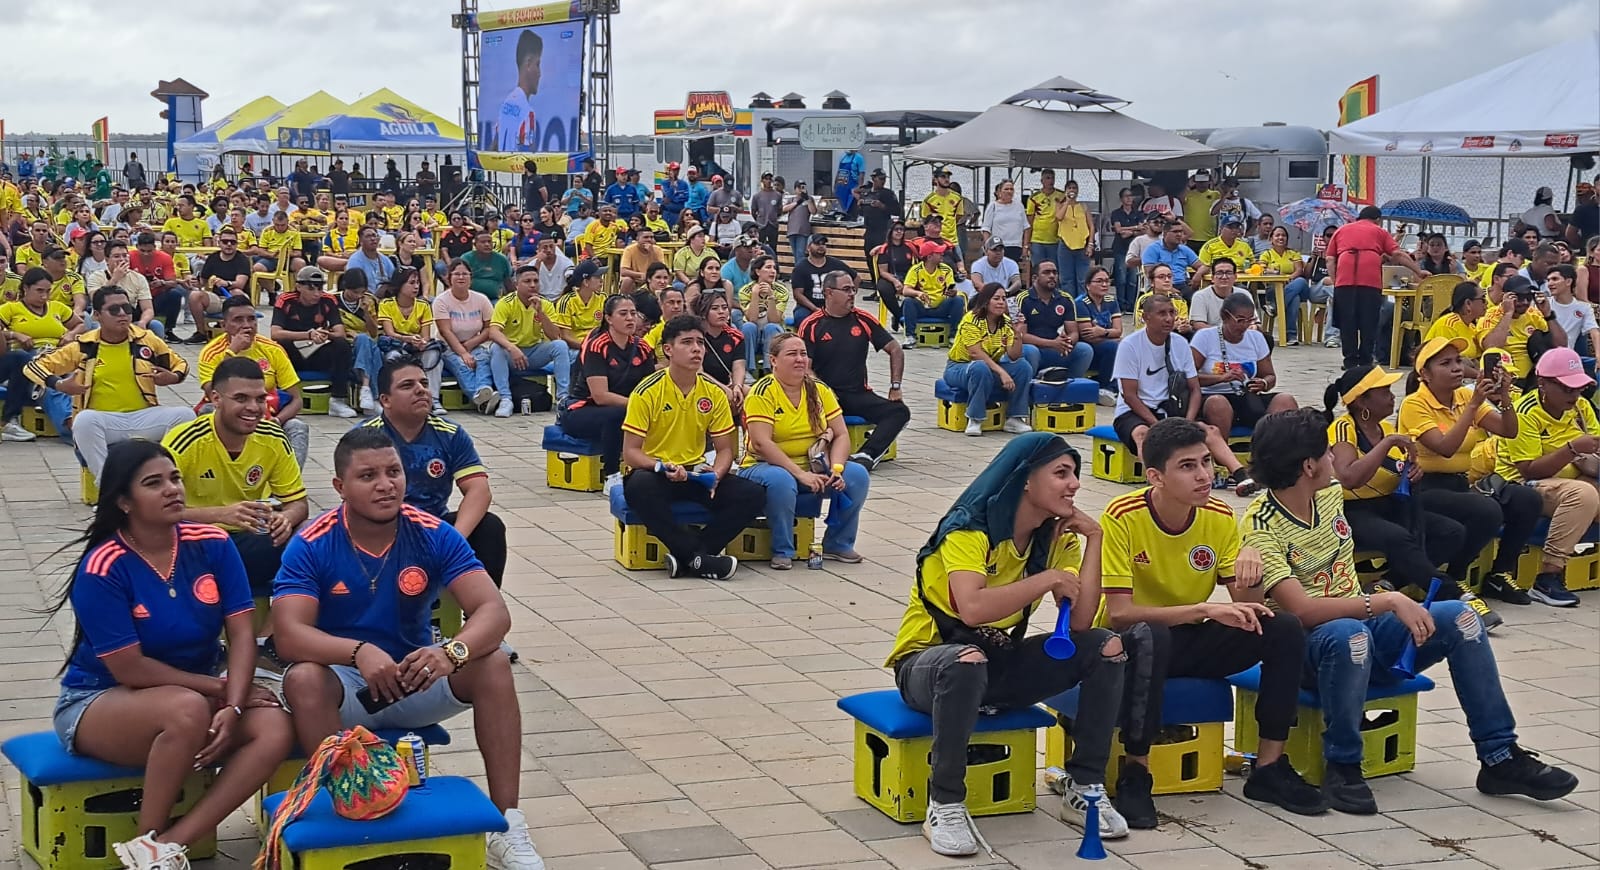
(488, 543)
(602, 423)
(1510, 515)
(1386, 525)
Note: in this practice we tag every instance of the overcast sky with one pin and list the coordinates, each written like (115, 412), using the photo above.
(1207, 64)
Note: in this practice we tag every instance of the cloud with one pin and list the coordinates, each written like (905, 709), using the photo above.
(1183, 65)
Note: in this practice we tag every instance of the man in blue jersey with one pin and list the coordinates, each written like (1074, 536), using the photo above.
(674, 195)
(439, 456)
(351, 608)
(624, 195)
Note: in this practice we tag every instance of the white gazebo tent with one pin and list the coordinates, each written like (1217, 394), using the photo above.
(1544, 105)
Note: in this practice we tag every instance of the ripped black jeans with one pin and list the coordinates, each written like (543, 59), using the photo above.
(936, 682)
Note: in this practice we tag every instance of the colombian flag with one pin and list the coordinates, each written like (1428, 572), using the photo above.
(1360, 173)
(101, 131)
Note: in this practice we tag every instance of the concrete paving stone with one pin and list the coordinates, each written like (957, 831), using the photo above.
(655, 747)
(602, 861)
(826, 848)
(1394, 846)
(705, 768)
(644, 724)
(570, 743)
(684, 844)
(1526, 852)
(809, 771)
(1056, 856)
(737, 862)
(633, 788)
(782, 747)
(787, 818)
(656, 816)
(593, 765)
(729, 794)
(581, 839)
(555, 811)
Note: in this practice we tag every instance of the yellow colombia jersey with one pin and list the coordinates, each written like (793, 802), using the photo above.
(1042, 216)
(652, 338)
(577, 315)
(247, 239)
(352, 319)
(1523, 326)
(70, 285)
(969, 550)
(10, 287)
(673, 423)
(791, 426)
(599, 237)
(394, 216)
(947, 206)
(1180, 308)
(1452, 326)
(214, 478)
(1283, 262)
(938, 284)
(974, 330)
(45, 329)
(519, 323)
(1161, 567)
(191, 233)
(389, 312)
(1320, 556)
(1239, 252)
(1420, 412)
(1385, 480)
(1539, 435)
(275, 243)
(276, 369)
(116, 388)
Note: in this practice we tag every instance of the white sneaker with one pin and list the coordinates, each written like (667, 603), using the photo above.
(974, 428)
(337, 408)
(1333, 341)
(513, 850)
(483, 397)
(1075, 810)
(1108, 398)
(13, 431)
(951, 831)
(1017, 426)
(369, 405)
(505, 409)
(144, 853)
(613, 480)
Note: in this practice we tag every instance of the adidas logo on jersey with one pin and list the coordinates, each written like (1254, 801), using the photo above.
(1141, 558)
(208, 474)
(339, 588)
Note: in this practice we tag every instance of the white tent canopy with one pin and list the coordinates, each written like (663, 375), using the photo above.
(1035, 136)
(1546, 104)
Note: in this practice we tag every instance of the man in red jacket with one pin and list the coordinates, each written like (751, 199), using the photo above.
(1356, 256)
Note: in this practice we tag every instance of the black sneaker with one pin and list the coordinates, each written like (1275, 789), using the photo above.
(1523, 773)
(1279, 783)
(1133, 796)
(1491, 620)
(1550, 588)
(197, 338)
(1242, 485)
(1346, 790)
(714, 567)
(1499, 587)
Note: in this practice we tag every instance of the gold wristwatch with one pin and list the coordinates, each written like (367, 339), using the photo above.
(457, 653)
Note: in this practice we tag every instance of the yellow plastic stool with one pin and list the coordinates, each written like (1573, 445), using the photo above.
(933, 335)
(447, 616)
(452, 398)
(858, 437)
(1064, 418)
(1388, 729)
(314, 396)
(755, 542)
(1583, 572)
(953, 417)
(36, 421)
(636, 549)
(1184, 759)
(572, 471)
(89, 492)
(1113, 461)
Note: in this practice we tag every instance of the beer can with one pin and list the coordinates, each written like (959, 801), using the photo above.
(413, 757)
(527, 407)
(272, 504)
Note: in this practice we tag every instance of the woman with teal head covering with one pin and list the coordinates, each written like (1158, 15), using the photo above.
(1012, 537)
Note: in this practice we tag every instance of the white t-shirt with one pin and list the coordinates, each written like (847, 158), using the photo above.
(983, 273)
(1534, 217)
(514, 124)
(1137, 246)
(1576, 319)
(1221, 356)
(1005, 222)
(1167, 205)
(553, 281)
(1140, 360)
(1206, 307)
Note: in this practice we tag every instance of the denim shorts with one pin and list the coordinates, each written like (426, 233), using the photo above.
(70, 705)
(428, 707)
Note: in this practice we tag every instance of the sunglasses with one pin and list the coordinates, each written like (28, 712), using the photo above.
(118, 309)
(227, 241)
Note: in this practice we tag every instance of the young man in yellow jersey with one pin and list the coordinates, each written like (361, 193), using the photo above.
(1167, 547)
(945, 203)
(930, 291)
(1355, 639)
(112, 373)
(240, 338)
(236, 461)
(670, 415)
(525, 337)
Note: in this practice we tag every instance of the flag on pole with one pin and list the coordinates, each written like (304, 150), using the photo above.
(1360, 173)
(2, 139)
(101, 130)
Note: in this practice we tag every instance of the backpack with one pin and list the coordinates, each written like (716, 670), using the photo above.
(362, 774)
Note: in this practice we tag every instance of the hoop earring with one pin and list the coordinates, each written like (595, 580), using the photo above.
(1365, 415)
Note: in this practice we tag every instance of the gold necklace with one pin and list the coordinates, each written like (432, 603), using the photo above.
(372, 579)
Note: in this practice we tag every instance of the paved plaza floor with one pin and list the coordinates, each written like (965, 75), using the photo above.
(690, 725)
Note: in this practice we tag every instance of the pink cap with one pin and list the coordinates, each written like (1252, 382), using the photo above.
(1563, 364)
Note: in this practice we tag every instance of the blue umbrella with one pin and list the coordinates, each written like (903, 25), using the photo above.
(1427, 210)
(1314, 213)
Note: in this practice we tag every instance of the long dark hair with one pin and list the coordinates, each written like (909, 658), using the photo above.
(978, 305)
(123, 463)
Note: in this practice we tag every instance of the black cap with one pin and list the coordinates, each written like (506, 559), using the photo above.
(1520, 285)
(879, 173)
(818, 239)
(587, 269)
(1515, 246)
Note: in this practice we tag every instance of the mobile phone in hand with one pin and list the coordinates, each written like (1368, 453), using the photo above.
(370, 702)
(1491, 363)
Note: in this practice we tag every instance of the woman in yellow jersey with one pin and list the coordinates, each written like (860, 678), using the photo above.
(764, 302)
(795, 439)
(1161, 282)
(406, 322)
(1447, 420)
(669, 298)
(32, 325)
(341, 241)
(986, 357)
(1369, 459)
(1465, 321)
(1014, 536)
(1472, 264)
(1280, 259)
(1587, 287)
(1532, 324)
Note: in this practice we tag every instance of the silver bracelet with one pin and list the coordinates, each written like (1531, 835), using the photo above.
(1367, 600)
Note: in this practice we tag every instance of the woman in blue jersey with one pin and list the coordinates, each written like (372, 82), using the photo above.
(146, 684)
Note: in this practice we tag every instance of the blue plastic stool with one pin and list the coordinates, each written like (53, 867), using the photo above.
(1067, 408)
(447, 818)
(892, 747)
(636, 549)
(570, 463)
(952, 402)
(289, 768)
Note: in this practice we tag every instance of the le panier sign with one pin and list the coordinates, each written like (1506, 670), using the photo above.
(833, 132)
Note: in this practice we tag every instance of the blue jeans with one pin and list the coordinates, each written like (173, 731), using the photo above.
(797, 248)
(554, 353)
(1125, 282)
(1294, 293)
(1344, 656)
(1322, 293)
(980, 381)
(756, 339)
(480, 375)
(1076, 363)
(782, 489)
(1105, 360)
(368, 360)
(1074, 270)
(1044, 252)
(950, 311)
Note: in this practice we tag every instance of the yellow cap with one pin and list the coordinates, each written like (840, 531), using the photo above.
(1375, 379)
(1434, 346)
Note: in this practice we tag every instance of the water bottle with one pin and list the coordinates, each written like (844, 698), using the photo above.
(527, 407)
